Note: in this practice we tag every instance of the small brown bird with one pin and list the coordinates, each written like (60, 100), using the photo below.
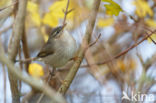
(59, 49)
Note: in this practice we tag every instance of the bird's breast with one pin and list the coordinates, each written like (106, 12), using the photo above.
(65, 48)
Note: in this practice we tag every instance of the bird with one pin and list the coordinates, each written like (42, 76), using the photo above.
(59, 49)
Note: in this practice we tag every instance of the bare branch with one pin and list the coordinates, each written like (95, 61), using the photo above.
(70, 76)
(25, 48)
(65, 13)
(18, 27)
(124, 52)
(95, 40)
(26, 60)
(4, 80)
(149, 36)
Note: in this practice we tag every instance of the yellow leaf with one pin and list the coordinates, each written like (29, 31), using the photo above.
(33, 9)
(35, 70)
(126, 65)
(131, 63)
(56, 12)
(112, 8)
(142, 8)
(151, 23)
(50, 19)
(121, 65)
(105, 22)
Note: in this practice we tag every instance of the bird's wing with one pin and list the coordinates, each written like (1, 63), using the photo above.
(46, 50)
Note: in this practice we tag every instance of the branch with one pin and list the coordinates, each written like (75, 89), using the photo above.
(151, 39)
(124, 52)
(65, 13)
(89, 58)
(150, 36)
(35, 83)
(27, 60)
(25, 49)
(70, 76)
(90, 45)
(18, 27)
(4, 80)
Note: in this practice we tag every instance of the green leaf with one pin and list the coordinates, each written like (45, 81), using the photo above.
(112, 8)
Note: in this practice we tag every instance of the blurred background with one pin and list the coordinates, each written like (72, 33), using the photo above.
(122, 24)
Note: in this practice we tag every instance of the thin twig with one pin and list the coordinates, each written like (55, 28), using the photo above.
(91, 44)
(20, 56)
(21, 66)
(4, 80)
(65, 13)
(18, 26)
(25, 49)
(4, 74)
(26, 60)
(124, 52)
(151, 39)
(150, 36)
